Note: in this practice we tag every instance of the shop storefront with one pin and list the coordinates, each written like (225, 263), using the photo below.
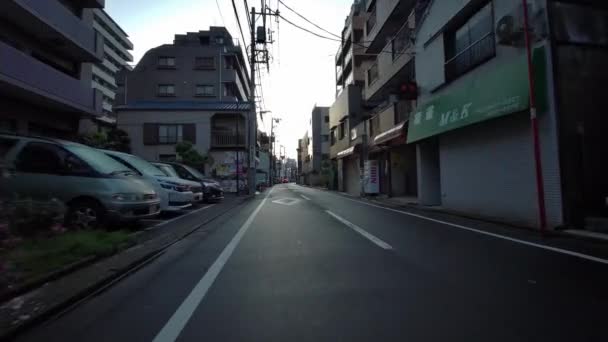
(475, 149)
(349, 179)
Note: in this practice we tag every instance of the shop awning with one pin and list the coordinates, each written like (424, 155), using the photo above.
(498, 92)
(345, 153)
(390, 134)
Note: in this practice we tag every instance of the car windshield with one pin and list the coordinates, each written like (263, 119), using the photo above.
(142, 166)
(194, 172)
(167, 169)
(97, 159)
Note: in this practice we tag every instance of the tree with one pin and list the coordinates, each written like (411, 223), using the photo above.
(115, 139)
(190, 156)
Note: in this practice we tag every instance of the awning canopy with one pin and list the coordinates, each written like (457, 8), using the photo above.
(390, 134)
(349, 151)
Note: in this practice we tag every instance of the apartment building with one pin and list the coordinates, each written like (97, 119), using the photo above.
(116, 56)
(195, 90)
(315, 161)
(346, 114)
(47, 52)
(390, 92)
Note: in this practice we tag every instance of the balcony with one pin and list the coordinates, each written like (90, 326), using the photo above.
(388, 17)
(392, 69)
(223, 139)
(25, 77)
(477, 53)
(54, 24)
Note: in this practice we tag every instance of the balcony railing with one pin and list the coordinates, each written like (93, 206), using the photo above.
(475, 54)
(371, 21)
(227, 139)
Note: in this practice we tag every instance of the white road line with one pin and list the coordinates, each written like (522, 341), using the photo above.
(304, 197)
(361, 231)
(180, 318)
(523, 242)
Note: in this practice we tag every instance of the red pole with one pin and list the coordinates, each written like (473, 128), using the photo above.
(540, 187)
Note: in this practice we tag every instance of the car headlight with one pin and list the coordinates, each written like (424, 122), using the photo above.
(124, 197)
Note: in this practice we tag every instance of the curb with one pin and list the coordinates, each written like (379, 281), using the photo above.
(105, 283)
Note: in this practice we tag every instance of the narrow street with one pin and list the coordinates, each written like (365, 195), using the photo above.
(299, 264)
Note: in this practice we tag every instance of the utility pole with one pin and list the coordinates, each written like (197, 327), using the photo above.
(253, 120)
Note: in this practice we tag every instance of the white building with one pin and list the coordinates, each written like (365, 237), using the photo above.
(116, 56)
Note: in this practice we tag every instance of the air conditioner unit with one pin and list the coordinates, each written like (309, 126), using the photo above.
(510, 28)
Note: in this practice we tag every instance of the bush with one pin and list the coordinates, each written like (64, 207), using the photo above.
(28, 217)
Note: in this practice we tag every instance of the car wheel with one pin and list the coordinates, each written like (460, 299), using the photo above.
(85, 214)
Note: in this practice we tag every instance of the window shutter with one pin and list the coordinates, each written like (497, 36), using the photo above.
(150, 134)
(189, 133)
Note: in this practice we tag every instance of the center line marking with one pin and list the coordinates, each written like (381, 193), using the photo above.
(361, 231)
(182, 315)
(304, 197)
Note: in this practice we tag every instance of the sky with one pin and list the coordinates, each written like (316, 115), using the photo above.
(301, 73)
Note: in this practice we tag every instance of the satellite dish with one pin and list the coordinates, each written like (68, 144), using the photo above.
(505, 29)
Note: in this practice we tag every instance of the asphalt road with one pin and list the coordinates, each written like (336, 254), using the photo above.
(300, 264)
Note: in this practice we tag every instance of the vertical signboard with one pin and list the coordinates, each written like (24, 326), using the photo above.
(371, 179)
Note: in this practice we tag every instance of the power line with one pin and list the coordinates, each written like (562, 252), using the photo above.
(220, 12)
(310, 22)
(238, 21)
(309, 31)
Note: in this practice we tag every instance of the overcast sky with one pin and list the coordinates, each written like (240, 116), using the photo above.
(301, 74)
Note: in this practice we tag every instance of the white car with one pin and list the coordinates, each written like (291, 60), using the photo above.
(196, 187)
(175, 194)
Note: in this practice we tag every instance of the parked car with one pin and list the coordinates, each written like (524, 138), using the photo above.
(95, 188)
(195, 186)
(212, 190)
(175, 194)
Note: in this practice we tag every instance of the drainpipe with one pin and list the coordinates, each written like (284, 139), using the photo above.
(540, 188)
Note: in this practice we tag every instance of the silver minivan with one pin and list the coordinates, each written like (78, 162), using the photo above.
(95, 188)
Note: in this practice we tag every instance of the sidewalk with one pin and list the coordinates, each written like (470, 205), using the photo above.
(57, 295)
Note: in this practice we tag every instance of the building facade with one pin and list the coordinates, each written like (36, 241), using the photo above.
(47, 52)
(390, 93)
(315, 145)
(192, 90)
(116, 56)
(347, 113)
(474, 142)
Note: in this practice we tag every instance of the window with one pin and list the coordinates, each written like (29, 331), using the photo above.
(229, 62)
(169, 134)
(166, 90)
(166, 62)
(372, 74)
(374, 125)
(326, 119)
(185, 174)
(204, 40)
(470, 44)
(402, 111)
(229, 90)
(325, 138)
(41, 158)
(219, 40)
(401, 41)
(371, 21)
(333, 137)
(341, 130)
(204, 63)
(205, 90)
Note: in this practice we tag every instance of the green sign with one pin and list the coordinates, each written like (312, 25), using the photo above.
(502, 91)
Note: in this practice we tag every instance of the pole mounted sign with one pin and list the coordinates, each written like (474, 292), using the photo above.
(489, 95)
